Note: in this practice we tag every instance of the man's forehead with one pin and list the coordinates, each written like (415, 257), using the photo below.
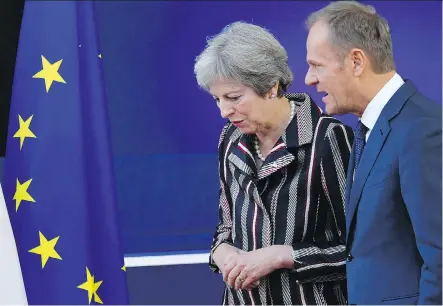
(318, 34)
(318, 45)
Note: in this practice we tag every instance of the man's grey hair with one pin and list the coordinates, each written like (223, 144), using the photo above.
(355, 25)
(247, 54)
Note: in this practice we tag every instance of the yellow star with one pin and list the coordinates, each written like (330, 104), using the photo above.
(24, 130)
(100, 56)
(21, 193)
(124, 268)
(46, 249)
(49, 73)
(91, 287)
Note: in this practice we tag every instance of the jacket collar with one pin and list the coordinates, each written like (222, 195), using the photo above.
(301, 129)
(299, 132)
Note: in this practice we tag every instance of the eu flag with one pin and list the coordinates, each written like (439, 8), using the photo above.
(59, 181)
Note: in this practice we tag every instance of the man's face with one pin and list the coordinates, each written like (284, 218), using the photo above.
(329, 73)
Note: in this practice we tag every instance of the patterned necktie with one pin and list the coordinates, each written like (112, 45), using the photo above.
(360, 140)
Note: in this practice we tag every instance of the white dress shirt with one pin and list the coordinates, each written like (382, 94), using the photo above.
(374, 108)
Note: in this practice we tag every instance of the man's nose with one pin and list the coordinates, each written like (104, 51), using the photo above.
(310, 78)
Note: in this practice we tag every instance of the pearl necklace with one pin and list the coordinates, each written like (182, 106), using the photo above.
(256, 145)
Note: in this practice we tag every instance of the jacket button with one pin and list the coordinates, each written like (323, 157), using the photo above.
(349, 257)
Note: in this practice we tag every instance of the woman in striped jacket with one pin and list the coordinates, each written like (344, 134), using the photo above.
(282, 166)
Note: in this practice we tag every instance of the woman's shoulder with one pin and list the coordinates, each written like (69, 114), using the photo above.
(298, 96)
(318, 115)
(303, 97)
(333, 132)
(305, 102)
(326, 126)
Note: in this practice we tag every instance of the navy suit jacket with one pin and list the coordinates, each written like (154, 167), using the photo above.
(394, 206)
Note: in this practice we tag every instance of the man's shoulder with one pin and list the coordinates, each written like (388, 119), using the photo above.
(423, 106)
(418, 108)
(420, 118)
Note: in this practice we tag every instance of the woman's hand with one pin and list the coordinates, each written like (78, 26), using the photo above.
(226, 257)
(232, 260)
(251, 266)
(229, 260)
(221, 254)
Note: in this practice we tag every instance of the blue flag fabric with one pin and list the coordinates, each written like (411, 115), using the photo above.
(59, 181)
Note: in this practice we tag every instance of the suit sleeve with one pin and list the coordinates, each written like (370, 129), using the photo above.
(325, 259)
(420, 167)
(223, 229)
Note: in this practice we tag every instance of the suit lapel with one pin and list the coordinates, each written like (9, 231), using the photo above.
(372, 150)
(370, 154)
(349, 177)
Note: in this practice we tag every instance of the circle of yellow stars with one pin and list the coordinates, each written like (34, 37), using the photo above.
(46, 248)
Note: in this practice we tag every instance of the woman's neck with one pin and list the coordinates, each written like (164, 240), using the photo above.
(277, 123)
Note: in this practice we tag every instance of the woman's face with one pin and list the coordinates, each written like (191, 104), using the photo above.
(240, 105)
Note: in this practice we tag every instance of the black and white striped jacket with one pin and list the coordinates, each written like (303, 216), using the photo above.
(296, 198)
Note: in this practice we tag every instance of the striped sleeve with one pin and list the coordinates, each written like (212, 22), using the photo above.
(223, 229)
(325, 259)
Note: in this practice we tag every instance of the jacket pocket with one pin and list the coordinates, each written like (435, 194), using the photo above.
(378, 176)
(410, 299)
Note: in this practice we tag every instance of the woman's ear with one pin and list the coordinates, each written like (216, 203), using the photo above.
(274, 91)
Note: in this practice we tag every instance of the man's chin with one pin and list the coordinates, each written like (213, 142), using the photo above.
(333, 111)
(330, 112)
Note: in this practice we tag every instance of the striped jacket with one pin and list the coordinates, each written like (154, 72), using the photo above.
(296, 198)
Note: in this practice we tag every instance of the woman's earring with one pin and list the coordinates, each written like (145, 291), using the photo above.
(273, 96)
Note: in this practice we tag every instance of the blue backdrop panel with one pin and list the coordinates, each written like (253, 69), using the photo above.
(162, 207)
(174, 285)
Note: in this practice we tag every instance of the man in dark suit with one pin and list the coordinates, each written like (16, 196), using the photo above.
(394, 183)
